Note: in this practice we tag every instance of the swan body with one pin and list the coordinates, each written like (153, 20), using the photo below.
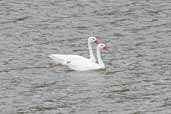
(83, 64)
(79, 63)
(62, 59)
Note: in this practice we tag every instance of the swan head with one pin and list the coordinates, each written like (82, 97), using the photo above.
(103, 46)
(93, 39)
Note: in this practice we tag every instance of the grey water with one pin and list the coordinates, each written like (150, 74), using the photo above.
(137, 78)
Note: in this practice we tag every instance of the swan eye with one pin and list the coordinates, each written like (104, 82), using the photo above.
(102, 45)
(93, 39)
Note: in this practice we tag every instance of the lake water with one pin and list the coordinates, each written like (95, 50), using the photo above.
(137, 79)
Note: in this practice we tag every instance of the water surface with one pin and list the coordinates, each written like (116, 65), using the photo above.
(137, 79)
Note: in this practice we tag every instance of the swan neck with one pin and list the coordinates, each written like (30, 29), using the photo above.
(91, 51)
(100, 61)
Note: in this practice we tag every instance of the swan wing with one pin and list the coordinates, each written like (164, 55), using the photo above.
(63, 59)
(59, 58)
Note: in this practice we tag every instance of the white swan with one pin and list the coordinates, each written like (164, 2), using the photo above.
(83, 64)
(62, 59)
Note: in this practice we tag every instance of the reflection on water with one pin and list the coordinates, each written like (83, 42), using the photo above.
(136, 80)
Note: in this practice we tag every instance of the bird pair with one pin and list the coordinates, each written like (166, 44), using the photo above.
(79, 63)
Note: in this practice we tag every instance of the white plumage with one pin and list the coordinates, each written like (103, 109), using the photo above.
(79, 63)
